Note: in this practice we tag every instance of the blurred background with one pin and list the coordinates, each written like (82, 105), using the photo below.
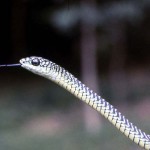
(103, 43)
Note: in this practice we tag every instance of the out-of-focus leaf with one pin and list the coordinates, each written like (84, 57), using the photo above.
(131, 11)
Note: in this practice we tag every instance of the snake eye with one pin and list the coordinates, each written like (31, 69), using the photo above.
(35, 62)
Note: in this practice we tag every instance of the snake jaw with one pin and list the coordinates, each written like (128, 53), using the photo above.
(27, 63)
(39, 66)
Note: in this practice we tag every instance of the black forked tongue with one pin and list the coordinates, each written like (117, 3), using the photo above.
(10, 65)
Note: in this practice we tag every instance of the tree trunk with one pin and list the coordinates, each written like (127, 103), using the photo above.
(89, 73)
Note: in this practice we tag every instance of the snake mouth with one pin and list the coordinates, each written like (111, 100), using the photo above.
(24, 62)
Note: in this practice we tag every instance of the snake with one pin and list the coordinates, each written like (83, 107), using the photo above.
(62, 77)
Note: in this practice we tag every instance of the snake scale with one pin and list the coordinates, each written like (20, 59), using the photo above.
(59, 75)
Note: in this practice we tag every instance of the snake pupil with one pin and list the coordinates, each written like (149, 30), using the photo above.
(35, 62)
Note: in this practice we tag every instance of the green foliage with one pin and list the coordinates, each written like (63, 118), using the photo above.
(73, 139)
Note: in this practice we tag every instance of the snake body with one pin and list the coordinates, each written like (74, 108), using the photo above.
(59, 75)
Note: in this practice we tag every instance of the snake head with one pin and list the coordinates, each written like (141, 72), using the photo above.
(37, 65)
